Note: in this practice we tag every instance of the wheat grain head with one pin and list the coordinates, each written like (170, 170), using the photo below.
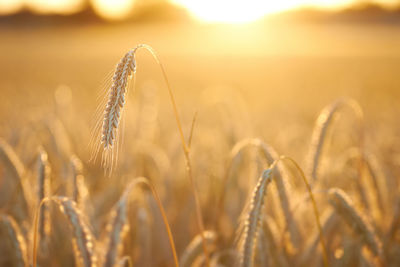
(13, 246)
(253, 219)
(83, 239)
(346, 209)
(280, 181)
(319, 134)
(18, 197)
(117, 225)
(194, 249)
(43, 191)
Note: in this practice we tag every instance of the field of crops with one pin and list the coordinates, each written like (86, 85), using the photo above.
(282, 147)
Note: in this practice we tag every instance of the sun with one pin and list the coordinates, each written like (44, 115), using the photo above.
(240, 11)
(233, 11)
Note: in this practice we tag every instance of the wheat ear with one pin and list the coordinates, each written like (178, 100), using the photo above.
(112, 113)
(322, 125)
(116, 98)
(194, 249)
(11, 160)
(11, 235)
(253, 220)
(16, 168)
(377, 187)
(78, 190)
(378, 180)
(43, 184)
(83, 239)
(345, 208)
(117, 229)
(118, 222)
(280, 180)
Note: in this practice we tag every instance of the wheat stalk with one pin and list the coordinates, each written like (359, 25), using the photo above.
(76, 166)
(112, 114)
(78, 190)
(117, 229)
(11, 160)
(253, 220)
(378, 179)
(319, 135)
(345, 208)
(328, 222)
(118, 222)
(83, 239)
(280, 180)
(391, 233)
(376, 188)
(144, 234)
(315, 208)
(43, 192)
(192, 130)
(194, 249)
(13, 240)
(16, 168)
(394, 224)
(270, 231)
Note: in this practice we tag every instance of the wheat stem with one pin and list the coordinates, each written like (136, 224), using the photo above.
(280, 178)
(12, 236)
(314, 203)
(191, 130)
(186, 150)
(145, 181)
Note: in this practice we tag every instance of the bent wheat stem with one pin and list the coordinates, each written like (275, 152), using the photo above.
(186, 150)
(119, 220)
(125, 67)
(320, 132)
(321, 235)
(192, 129)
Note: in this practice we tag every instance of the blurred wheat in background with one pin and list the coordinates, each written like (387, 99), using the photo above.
(199, 133)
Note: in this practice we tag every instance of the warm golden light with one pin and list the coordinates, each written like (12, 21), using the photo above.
(239, 11)
(55, 6)
(10, 6)
(113, 9)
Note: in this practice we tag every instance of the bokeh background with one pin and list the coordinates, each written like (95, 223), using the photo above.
(288, 58)
(248, 68)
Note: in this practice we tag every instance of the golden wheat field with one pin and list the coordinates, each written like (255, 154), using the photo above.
(280, 146)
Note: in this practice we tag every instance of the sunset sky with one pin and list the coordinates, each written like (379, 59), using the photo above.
(225, 11)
